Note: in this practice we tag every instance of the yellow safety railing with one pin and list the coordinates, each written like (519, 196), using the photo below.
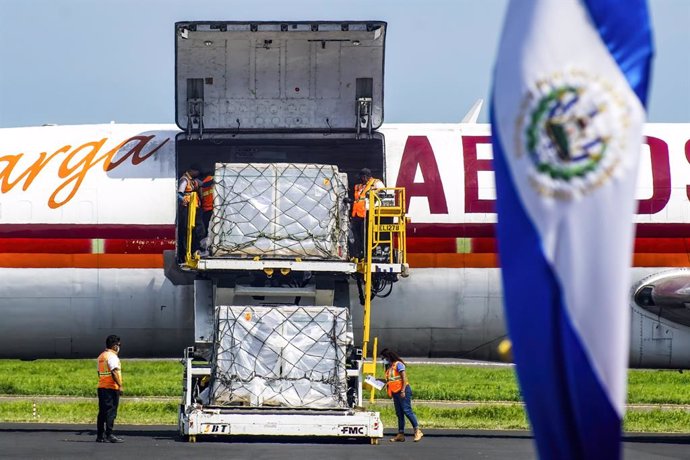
(191, 260)
(386, 227)
(387, 223)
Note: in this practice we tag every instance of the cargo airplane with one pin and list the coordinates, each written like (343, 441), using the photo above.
(87, 241)
(87, 213)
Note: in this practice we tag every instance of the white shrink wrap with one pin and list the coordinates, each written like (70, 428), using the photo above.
(286, 356)
(279, 211)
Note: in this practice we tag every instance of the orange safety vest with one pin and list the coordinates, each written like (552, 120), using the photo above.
(207, 193)
(359, 207)
(192, 186)
(394, 379)
(105, 377)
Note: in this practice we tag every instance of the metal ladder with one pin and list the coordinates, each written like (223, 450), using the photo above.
(386, 228)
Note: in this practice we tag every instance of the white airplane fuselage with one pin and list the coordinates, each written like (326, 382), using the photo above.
(87, 236)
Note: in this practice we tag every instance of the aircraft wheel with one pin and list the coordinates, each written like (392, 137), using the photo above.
(374, 441)
(191, 438)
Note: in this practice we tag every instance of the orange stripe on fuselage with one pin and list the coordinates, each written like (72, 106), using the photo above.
(416, 260)
(661, 260)
(430, 260)
(486, 260)
(42, 260)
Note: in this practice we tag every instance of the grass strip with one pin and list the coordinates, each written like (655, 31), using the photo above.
(78, 377)
(650, 386)
(165, 413)
(461, 383)
(72, 377)
(657, 421)
(144, 378)
(129, 412)
(489, 417)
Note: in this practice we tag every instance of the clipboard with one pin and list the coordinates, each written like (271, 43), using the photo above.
(374, 383)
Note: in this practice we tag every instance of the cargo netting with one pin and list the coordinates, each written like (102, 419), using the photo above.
(280, 357)
(280, 211)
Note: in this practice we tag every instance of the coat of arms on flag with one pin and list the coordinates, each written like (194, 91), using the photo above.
(569, 127)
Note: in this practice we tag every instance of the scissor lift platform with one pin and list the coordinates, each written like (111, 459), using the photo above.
(196, 419)
(210, 421)
(228, 264)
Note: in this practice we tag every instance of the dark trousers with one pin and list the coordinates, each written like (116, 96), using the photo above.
(358, 227)
(206, 219)
(108, 400)
(403, 408)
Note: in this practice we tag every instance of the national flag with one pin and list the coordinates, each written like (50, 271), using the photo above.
(568, 106)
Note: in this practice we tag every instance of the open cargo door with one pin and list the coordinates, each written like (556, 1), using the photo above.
(279, 76)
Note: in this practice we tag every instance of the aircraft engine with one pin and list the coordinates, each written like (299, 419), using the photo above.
(660, 318)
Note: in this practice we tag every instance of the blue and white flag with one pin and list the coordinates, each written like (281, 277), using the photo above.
(568, 106)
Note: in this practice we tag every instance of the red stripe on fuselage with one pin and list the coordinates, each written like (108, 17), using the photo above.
(84, 246)
(139, 246)
(428, 230)
(642, 230)
(451, 230)
(416, 245)
(429, 245)
(101, 261)
(117, 231)
(45, 245)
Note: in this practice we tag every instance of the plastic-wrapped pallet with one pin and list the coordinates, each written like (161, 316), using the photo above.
(286, 356)
(279, 211)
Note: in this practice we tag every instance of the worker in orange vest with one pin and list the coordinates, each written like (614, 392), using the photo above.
(207, 200)
(359, 210)
(109, 389)
(186, 186)
(399, 389)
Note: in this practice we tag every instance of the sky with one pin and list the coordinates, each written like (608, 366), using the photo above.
(96, 61)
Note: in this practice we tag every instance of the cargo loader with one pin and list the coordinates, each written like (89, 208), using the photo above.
(283, 115)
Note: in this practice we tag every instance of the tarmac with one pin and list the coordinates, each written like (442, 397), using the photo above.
(57, 441)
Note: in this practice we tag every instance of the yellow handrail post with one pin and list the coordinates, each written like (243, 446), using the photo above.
(367, 276)
(402, 235)
(373, 356)
(191, 220)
